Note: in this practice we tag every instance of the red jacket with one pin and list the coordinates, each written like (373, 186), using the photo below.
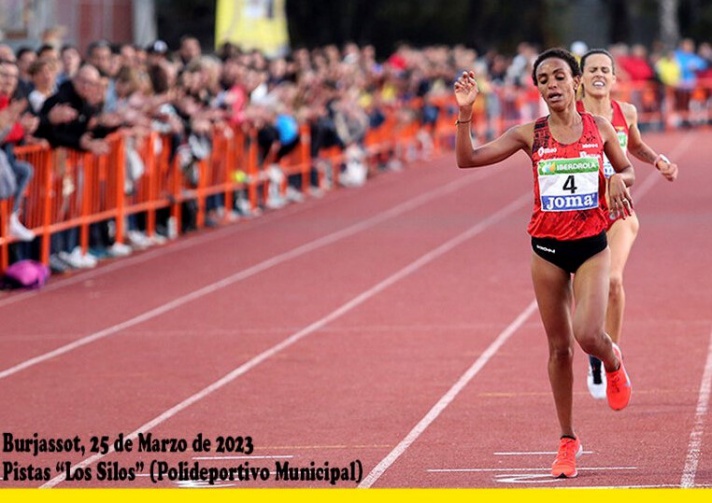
(16, 133)
(637, 68)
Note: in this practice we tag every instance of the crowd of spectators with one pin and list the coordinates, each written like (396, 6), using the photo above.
(56, 95)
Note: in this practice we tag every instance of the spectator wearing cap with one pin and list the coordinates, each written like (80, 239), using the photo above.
(578, 49)
(156, 52)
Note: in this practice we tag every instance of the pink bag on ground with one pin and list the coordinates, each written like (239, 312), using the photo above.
(25, 274)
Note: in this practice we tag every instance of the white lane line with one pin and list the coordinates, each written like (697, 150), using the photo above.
(533, 453)
(294, 338)
(221, 458)
(440, 406)
(240, 276)
(695, 445)
(641, 486)
(527, 476)
(535, 469)
(694, 448)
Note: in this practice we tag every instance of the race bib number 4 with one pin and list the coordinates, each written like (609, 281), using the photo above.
(568, 184)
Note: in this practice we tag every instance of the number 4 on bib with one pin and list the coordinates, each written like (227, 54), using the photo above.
(568, 184)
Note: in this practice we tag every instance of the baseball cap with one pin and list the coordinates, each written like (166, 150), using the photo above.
(157, 47)
(579, 48)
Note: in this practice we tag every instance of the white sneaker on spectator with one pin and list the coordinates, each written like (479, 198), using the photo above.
(70, 259)
(57, 265)
(231, 216)
(275, 174)
(394, 165)
(87, 259)
(276, 202)
(157, 239)
(294, 195)
(19, 231)
(172, 228)
(245, 208)
(119, 250)
(77, 259)
(138, 240)
(316, 192)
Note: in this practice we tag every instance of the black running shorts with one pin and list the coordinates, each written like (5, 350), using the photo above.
(569, 255)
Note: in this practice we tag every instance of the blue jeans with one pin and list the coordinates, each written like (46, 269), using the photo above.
(23, 173)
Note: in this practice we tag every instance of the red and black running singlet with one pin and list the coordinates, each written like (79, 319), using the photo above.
(620, 125)
(569, 186)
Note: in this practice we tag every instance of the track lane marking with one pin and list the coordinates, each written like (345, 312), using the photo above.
(694, 447)
(533, 469)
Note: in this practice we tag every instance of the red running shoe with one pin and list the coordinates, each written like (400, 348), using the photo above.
(564, 465)
(618, 387)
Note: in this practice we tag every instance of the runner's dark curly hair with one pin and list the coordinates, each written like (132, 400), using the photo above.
(560, 54)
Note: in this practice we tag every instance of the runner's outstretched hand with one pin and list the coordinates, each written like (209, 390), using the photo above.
(466, 89)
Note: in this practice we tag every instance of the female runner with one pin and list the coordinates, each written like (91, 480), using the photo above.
(597, 80)
(570, 260)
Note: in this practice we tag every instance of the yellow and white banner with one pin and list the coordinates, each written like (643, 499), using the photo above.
(253, 24)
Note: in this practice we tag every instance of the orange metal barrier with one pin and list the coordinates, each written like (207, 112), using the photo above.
(71, 189)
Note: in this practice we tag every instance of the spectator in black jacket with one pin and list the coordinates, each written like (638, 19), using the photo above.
(72, 118)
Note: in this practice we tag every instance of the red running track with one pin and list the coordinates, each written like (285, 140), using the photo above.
(390, 330)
